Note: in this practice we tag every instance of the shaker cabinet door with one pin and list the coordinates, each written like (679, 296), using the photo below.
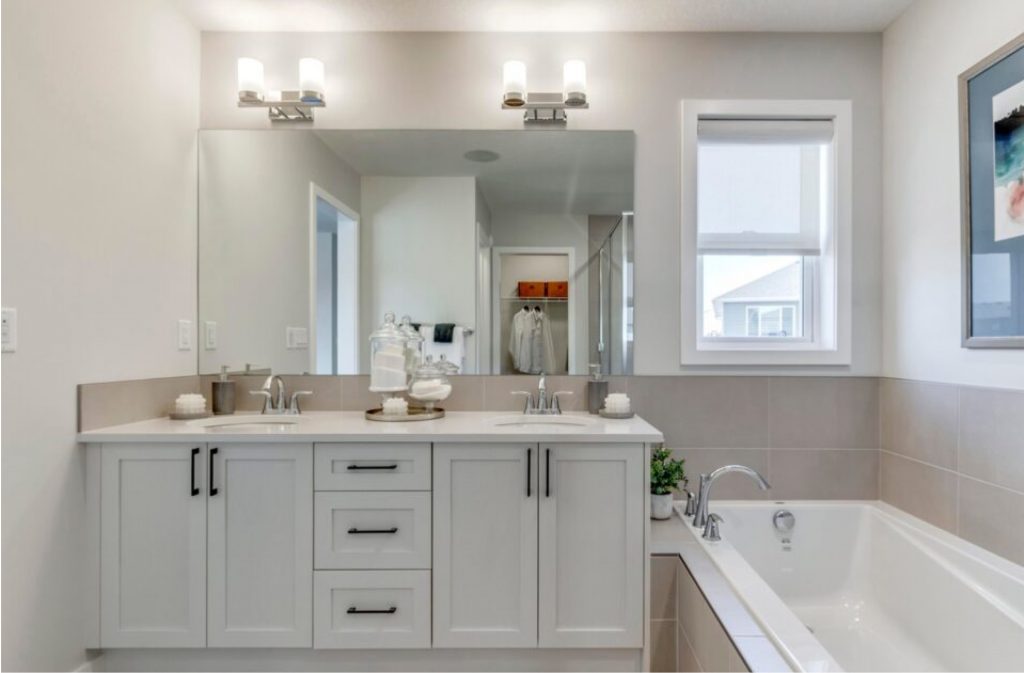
(591, 546)
(485, 545)
(153, 546)
(261, 545)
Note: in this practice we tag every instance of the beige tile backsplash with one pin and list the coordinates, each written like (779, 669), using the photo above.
(945, 453)
(954, 456)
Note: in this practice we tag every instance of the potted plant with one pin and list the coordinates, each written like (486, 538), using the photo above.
(666, 474)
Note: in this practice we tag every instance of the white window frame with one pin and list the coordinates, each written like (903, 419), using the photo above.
(827, 292)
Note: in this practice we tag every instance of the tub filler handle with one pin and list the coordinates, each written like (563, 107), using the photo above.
(711, 533)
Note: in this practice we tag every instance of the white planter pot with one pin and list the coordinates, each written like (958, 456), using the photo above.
(661, 506)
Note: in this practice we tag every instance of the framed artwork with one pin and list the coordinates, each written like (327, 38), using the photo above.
(992, 199)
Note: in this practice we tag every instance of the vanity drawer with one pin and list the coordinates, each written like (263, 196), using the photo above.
(371, 609)
(376, 467)
(370, 531)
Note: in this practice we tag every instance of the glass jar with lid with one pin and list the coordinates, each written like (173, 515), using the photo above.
(430, 384)
(388, 372)
(413, 344)
(447, 366)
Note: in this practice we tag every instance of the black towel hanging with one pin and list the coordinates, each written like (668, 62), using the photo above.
(444, 332)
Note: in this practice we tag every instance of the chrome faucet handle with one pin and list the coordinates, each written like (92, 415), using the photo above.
(556, 408)
(699, 511)
(711, 533)
(691, 503)
(293, 407)
(528, 409)
(267, 397)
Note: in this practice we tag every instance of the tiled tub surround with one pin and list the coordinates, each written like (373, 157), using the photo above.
(697, 621)
(954, 456)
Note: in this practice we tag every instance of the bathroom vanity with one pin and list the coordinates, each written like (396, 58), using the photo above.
(328, 531)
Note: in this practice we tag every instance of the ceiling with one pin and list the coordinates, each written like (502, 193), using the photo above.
(545, 15)
(549, 171)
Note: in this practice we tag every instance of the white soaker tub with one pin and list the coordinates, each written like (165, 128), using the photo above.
(862, 586)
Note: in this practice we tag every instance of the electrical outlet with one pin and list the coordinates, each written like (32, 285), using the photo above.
(10, 329)
(296, 338)
(210, 335)
(184, 335)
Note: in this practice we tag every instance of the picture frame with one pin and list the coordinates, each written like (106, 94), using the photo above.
(991, 110)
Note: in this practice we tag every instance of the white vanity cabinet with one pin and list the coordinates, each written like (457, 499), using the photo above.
(153, 545)
(205, 545)
(539, 545)
(260, 547)
(591, 569)
(485, 545)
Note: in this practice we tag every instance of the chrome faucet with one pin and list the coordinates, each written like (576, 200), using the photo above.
(700, 517)
(275, 404)
(542, 407)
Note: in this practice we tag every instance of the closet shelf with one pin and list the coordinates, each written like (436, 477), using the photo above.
(537, 300)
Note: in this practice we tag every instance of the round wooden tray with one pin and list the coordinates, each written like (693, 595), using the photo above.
(415, 414)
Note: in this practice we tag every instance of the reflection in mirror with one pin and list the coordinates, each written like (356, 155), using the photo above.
(510, 251)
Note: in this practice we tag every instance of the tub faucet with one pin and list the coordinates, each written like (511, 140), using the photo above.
(700, 518)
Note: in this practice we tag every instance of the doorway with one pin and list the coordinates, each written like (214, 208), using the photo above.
(334, 280)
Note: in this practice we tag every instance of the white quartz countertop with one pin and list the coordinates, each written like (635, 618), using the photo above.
(349, 426)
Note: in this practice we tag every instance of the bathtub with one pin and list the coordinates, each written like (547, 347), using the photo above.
(862, 586)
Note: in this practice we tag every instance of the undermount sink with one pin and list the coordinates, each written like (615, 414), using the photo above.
(553, 421)
(247, 422)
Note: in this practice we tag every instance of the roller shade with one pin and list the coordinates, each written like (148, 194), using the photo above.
(765, 131)
(760, 186)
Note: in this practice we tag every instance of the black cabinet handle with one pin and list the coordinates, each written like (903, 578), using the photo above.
(529, 467)
(213, 489)
(195, 489)
(547, 473)
(372, 467)
(372, 531)
(356, 611)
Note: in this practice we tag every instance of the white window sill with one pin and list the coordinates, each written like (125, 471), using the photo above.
(771, 354)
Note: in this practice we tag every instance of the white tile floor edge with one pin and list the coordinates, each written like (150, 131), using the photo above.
(669, 538)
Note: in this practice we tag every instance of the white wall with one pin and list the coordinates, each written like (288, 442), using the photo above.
(254, 249)
(636, 80)
(923, 53)
(99, 208)
(419, 252)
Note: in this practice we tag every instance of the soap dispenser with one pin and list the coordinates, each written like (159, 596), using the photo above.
(597, 389)
(223, 394)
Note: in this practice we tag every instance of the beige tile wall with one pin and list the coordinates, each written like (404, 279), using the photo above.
(954, 456)
(104, 404)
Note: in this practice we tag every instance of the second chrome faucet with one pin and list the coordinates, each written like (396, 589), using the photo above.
(542, 406)
(275, 403)
(701, 518)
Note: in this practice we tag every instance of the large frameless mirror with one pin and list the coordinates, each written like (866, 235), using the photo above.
(509, 251)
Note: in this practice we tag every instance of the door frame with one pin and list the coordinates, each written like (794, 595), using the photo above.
(496, 300)
(315, 192)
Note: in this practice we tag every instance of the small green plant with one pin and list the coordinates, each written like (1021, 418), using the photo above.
(666, 472)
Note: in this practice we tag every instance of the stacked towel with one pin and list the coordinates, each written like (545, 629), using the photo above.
(388, 369)
(454, 351)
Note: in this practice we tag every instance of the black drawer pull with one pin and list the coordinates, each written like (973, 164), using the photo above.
(356, 611)
(547, 473)
(364, 531)
(195, 490)
(372, 467)
(529, 469)
(213, 489)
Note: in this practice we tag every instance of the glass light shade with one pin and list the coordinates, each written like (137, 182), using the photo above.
(574, 82)
(311, 80)
(514, 83)
(250, 80)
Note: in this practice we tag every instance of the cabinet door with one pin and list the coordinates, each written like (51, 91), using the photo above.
(261, 545)
(485, 545)
(591, 546)
(153, 546)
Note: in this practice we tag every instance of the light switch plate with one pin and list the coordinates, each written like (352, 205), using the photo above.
(210, 335)
(184, 335)
(296, 338)
(9, 318)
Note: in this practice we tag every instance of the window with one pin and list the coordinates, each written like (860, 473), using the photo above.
(762, 218)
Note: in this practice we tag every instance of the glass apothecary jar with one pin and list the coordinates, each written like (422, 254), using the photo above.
(447, 366)
(430, 384)
(388, 372)
(413, 345)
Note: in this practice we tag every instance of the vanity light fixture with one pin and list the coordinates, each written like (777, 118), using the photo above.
(544, 108)
(290, 106)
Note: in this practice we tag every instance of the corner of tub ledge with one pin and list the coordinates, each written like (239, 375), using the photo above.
(668, 534)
